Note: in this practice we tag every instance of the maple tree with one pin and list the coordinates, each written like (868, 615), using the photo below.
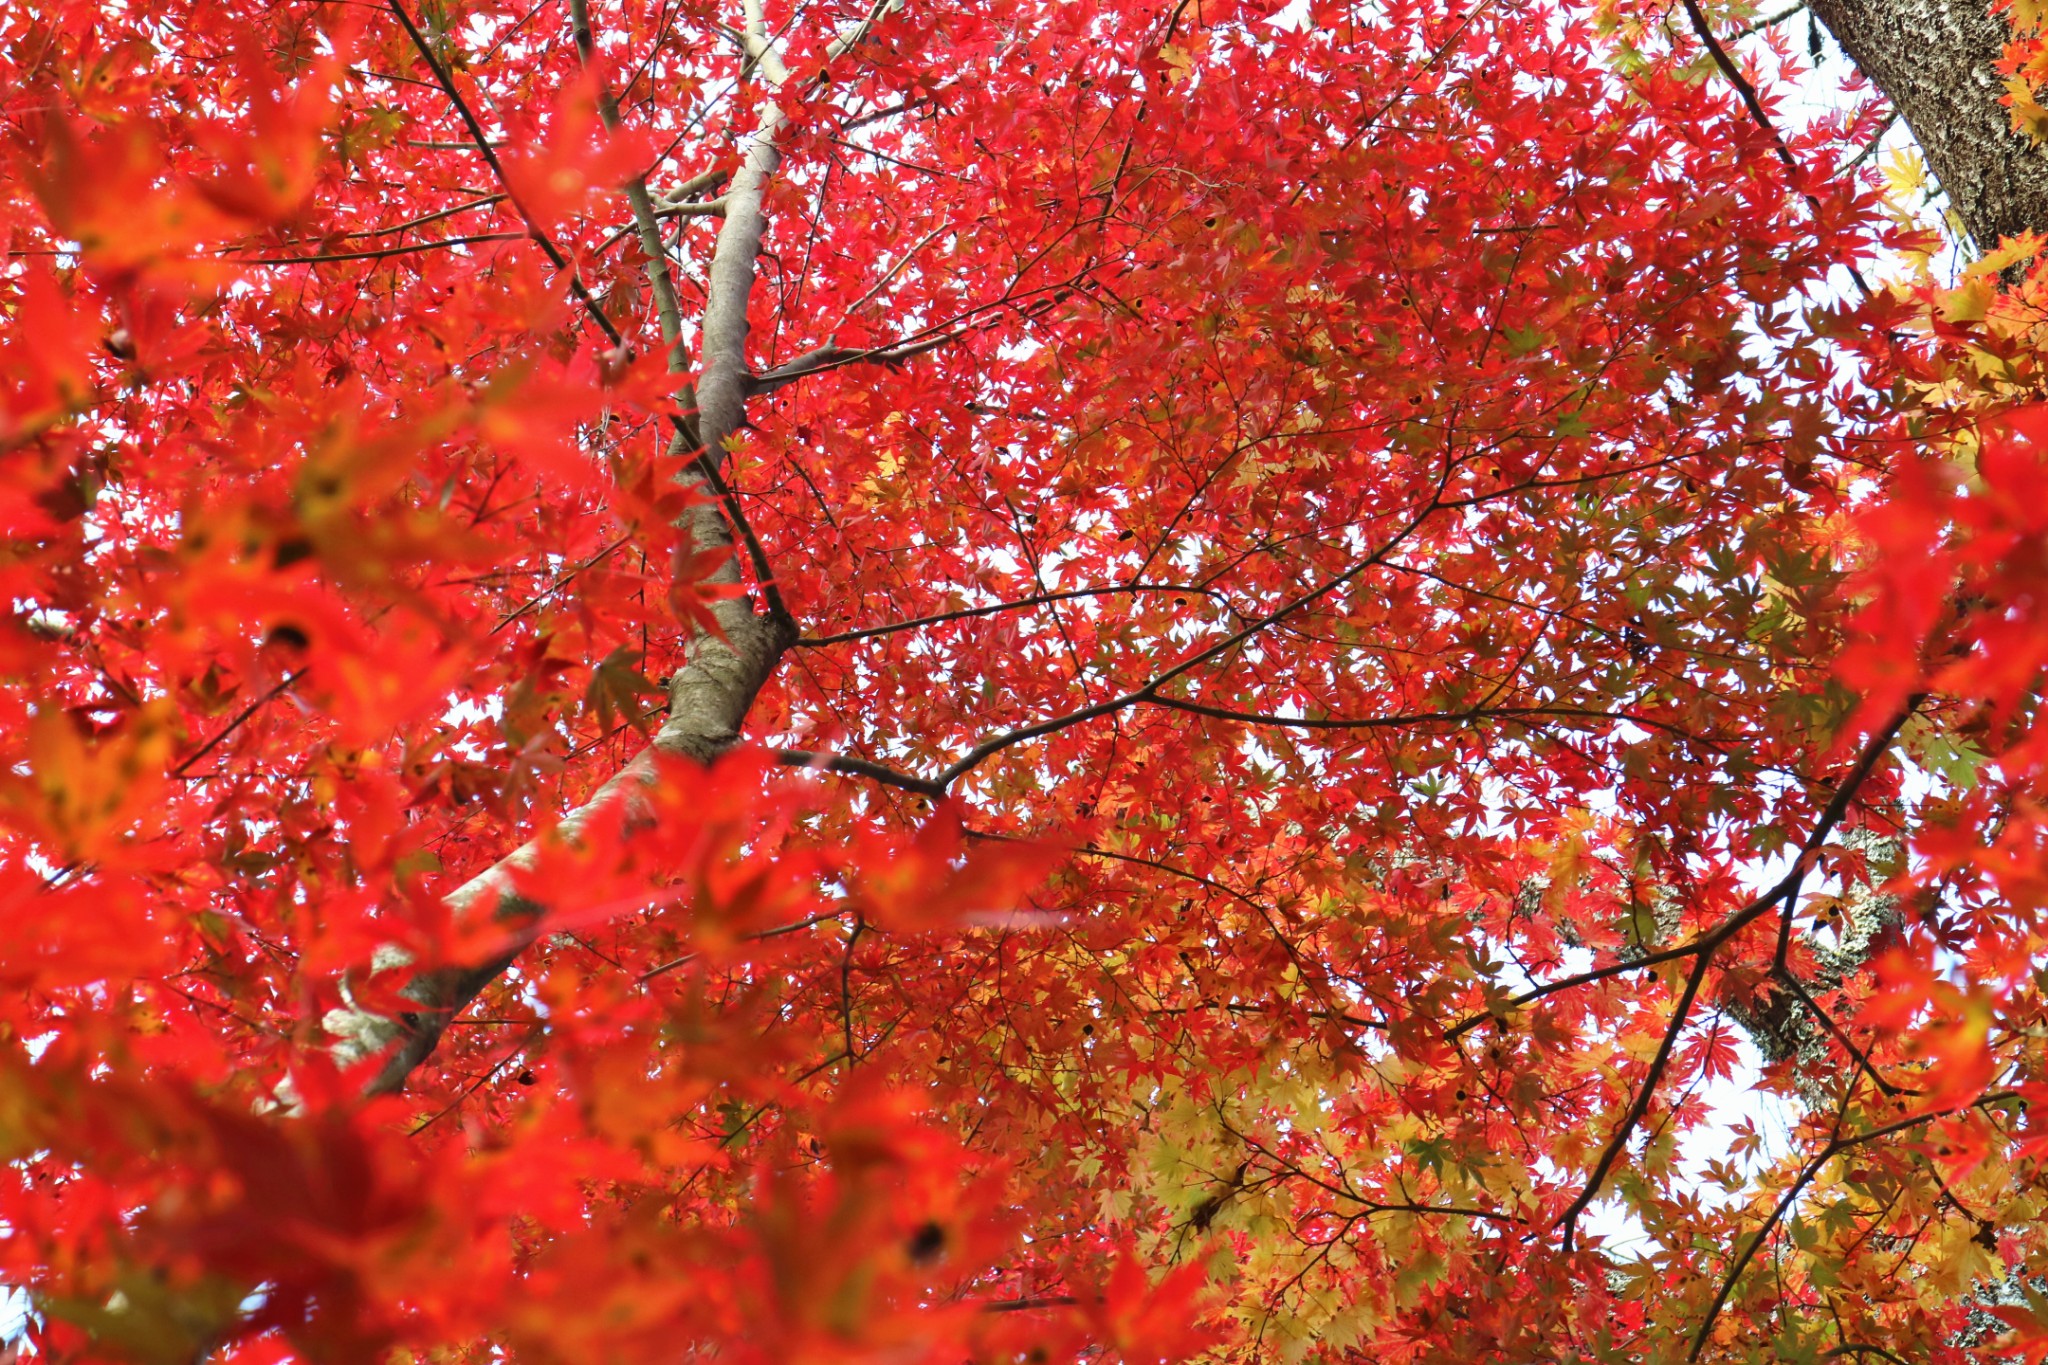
(1005, 680)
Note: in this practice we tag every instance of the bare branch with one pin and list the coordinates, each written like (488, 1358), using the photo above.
(995, 744)
(859, 767)
(379, 253)
(488, 150)
(993, 608)
(1645, 1093)
(241, 719)
(1813, 1168)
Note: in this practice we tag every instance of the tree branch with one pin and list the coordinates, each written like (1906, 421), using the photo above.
(488, 150)
(709, 695)
(241, 719)
(1640, 1105)
(379, 253)
(993, 608)
(1836, 809)
(860, 767)
(1836, 1146)
(995, 744)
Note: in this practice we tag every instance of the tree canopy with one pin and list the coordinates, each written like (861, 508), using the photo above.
(1004, 680)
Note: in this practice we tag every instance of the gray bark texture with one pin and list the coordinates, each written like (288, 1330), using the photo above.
(1934, 59)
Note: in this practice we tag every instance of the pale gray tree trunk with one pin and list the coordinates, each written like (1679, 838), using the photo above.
(722, 669)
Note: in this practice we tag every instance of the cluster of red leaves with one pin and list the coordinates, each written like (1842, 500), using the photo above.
(1950, 624)
(1325, 546)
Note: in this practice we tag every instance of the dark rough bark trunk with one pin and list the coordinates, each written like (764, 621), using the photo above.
(1935, 60)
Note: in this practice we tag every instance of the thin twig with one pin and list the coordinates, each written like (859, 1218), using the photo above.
(242, 718)
(1767, 21)
(995, 744)
(1876, 141)
(992, 608)
(1640, 1105)
(487, 150)
(379, 253)
(860, 767)
(1755, 105)
(1806, 1177)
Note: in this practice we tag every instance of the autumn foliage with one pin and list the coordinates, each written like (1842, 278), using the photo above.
(1004, 680)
